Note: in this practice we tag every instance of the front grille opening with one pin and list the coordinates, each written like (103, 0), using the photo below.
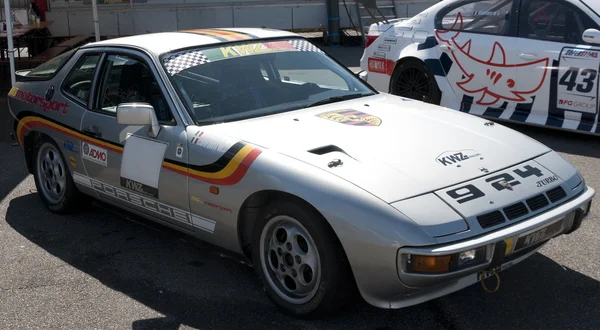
(515, 211)
(556, 194)
(537, 202)
(490, 219)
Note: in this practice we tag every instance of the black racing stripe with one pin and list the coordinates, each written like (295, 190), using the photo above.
(435, 66)
(207, 35)
(587, 122)
(24, 114)
(446, 62)
(220, 164)
(495, 112)
(430, 42)
(466, 103)
(522, 111)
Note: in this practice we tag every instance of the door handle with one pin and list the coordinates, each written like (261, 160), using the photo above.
(445, 47)
(91, 132)
(529, 56)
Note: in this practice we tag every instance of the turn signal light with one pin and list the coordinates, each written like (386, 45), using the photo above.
(431, 264)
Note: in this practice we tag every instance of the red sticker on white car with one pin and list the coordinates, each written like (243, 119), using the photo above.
(94, 154)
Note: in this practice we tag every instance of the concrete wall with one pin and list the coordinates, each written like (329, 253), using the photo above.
(75, 18)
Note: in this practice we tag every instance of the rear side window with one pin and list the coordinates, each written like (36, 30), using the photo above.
(78, 83)
(483, 16)
(49, 68)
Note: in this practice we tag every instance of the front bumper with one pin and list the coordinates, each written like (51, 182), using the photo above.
(502, 246)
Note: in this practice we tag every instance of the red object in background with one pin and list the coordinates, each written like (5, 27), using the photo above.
(43, 5)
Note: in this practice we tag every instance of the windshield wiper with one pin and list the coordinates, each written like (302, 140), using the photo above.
(336, 99)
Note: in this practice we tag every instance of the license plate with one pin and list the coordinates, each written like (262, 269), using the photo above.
(539, 235)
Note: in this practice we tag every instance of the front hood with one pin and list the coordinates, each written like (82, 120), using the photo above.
(392, 147)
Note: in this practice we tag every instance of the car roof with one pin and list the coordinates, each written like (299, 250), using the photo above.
(163, 42)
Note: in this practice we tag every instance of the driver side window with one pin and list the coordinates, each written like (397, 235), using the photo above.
(79, 81)
(127, 79)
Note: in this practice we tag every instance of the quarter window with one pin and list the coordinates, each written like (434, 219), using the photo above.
(485, 16)
(126, 80)
(79, 81)
(553, 21)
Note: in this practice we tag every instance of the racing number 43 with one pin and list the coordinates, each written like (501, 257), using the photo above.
(569, 80)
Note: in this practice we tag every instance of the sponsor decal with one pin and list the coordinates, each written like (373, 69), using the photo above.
(146, 203)
(377, 65)
(351, 117)
(196, 137)
(379, 54)
(389, 40)
(245, 49)
(577, 104)
(385, 48)
(228, 170)
(73, 161)
(547, 181)
(216, 206)
(495, 72)
(580, 54)
(455, 157)
(94, 153)
(70, 146)
(139, 187)
(40, 101)
(539, 235)
(179, 150)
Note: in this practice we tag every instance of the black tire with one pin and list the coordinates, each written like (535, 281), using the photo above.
(413, 79)
(71, 199)
(335, 282)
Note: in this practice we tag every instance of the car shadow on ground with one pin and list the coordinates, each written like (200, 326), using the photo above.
(194, 284)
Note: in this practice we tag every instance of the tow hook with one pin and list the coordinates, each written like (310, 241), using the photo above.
(493, 273)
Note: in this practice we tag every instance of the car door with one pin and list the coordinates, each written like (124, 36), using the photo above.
(478, 38)
(125, 164)
(552, 30)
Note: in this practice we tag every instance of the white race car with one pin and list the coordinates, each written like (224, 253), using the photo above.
(528, 61)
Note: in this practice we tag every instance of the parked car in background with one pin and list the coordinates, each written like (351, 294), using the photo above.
(527, 61)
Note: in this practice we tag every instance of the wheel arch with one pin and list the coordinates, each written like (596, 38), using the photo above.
(250, 211)
(30, 140)
(412, 58)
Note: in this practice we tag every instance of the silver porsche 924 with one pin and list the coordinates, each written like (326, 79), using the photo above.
(259, 142)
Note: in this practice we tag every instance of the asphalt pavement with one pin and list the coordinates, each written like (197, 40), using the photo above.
(102, 270)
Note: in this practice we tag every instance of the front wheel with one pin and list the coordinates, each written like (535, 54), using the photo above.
(413, 79)
(299, 260)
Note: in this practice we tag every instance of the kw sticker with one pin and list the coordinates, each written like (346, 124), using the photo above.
(248, 49)
(94, 154)
(351, 117)
(70, 146)
(41, 102)
(495, 73)
(213, 205)
(139, 187)
(455, 157)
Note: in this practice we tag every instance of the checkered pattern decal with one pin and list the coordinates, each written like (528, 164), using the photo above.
(304, 46)
(176, 63)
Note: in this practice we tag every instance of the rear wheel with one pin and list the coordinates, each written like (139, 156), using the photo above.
(413, 79)
(53, 179)
(299, 260)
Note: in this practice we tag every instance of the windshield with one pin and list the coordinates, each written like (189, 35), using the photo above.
(252, 79)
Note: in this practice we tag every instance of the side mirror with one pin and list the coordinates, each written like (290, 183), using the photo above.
(591, 36)
(138, 114)
(362, 74)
